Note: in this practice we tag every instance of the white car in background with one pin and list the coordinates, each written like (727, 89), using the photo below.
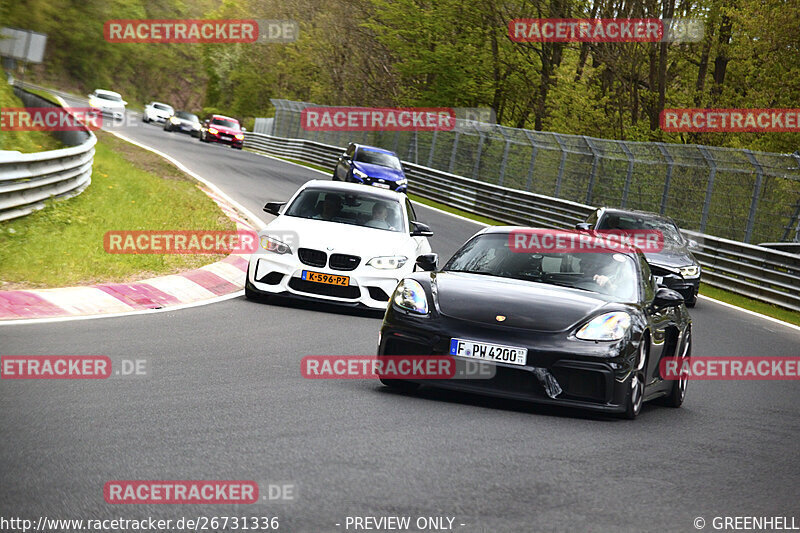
(338, 242)
(157, 112)
(108, 103)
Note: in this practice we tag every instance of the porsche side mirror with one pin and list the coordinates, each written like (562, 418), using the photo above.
(274, 208)
(667, 298)
(421, 230)
(582, 226)
(428, 262)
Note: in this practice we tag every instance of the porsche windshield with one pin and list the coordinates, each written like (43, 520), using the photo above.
(613, 274)
(357, 209)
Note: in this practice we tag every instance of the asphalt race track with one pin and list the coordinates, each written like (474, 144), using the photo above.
(225, 400)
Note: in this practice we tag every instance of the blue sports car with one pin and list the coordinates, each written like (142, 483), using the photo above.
(371, 166)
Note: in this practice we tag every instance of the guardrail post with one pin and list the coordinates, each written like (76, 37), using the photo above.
(452, 163)
(433, 147)
(534, 151)
(477, 165)
(561, 165)
(396, 141)
(712, 172)
(505, 157)
(751, 217)
(665, 194)
(628, 177)
(593, 176)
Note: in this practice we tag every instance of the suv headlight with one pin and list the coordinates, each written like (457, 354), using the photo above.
(690, 271)
(272, 244)
(388, 262)
(410, 295)
(360, 174)
(606, 327)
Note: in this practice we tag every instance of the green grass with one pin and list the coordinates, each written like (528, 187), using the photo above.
(744, 302)
(131, 189)
(792, 317)
(23, 141)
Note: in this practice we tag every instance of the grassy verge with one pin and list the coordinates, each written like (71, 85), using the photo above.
(774, 311)
(23, 141)
(744, 302)
(132, 189)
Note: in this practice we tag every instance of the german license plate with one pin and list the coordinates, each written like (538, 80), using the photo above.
(381, 185)
(497, 353)
(330, 279)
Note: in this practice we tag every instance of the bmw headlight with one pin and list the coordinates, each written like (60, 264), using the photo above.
(272, 244)
(239, 136)
(388, 262)
(607, 327)
(357, 173)
(213, 131)
(691, 271)
(410, 295)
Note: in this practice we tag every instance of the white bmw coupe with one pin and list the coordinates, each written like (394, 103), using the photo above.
(338, 242)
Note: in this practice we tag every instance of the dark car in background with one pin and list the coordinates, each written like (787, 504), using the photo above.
(221, 129)
(674, 266)
(553, 325)
(184, 122)
(371, 165)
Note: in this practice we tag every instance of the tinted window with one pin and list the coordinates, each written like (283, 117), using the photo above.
(366, 155)
(612, 274)
(358, 209)
(613, 221)
(111, 97)
(162, 107)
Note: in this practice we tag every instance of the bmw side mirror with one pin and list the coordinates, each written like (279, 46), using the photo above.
(428, 262)
(421, 230)
(667, 298)
(582, 226)
(274, 208)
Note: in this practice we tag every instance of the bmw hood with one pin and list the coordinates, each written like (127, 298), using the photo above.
(377, 171)
(528, 305)
(334, 237)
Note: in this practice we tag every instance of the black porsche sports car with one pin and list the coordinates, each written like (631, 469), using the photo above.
(580, 329)
(674, 266)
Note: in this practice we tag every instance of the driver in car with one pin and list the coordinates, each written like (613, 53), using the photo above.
(378, 219)
(331, 207)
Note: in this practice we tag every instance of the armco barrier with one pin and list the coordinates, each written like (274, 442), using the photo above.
(28, 180)
(760, 273)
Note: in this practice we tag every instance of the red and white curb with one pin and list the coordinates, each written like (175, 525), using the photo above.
(203, 285)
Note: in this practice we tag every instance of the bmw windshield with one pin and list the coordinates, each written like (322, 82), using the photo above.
(356, 209)
(612, 274)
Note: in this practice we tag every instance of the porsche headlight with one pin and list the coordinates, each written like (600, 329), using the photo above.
(607, 327)
(388, 262)
(690, 271)
(175, 120)
(360, 174)
(410, 295)
(272, 244)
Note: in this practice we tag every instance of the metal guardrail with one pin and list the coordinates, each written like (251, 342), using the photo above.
(27, 181)
(760, 273)
(742, 195)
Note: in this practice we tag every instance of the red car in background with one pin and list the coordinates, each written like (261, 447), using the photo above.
(221, 129)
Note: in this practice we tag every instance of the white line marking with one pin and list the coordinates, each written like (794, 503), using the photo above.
(749, 312)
